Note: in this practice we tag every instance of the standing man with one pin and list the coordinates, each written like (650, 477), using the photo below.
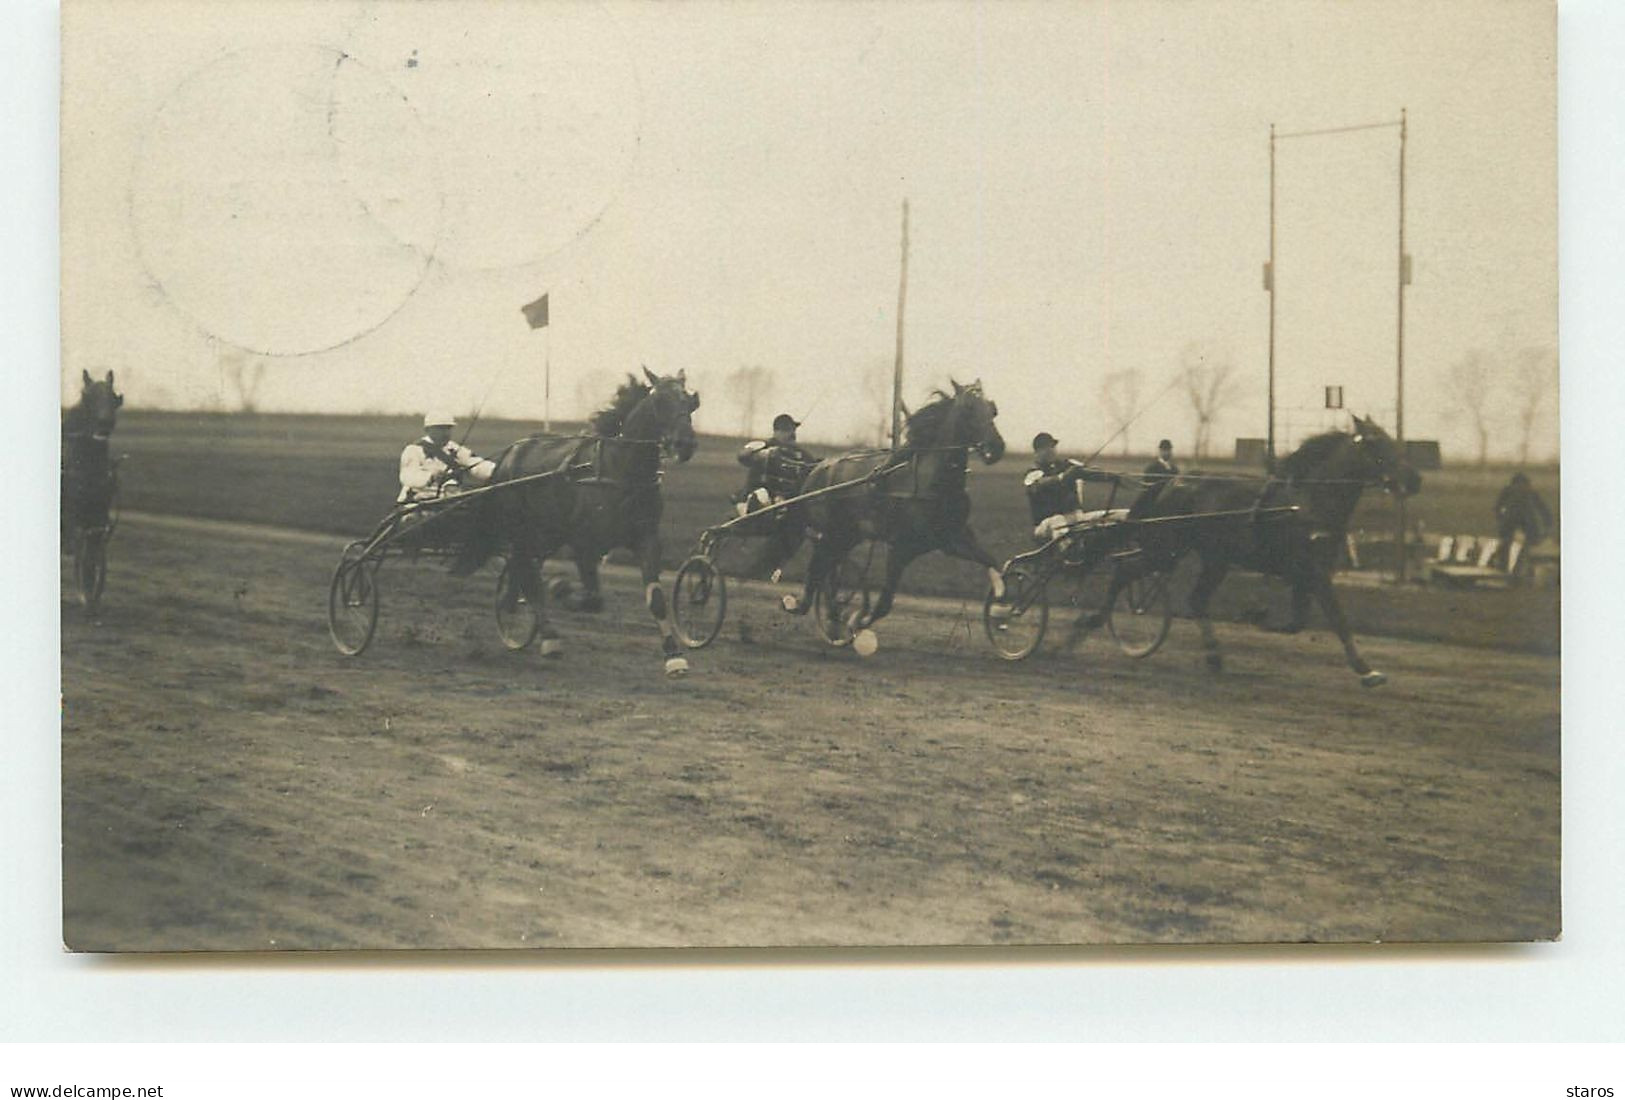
(1519, 510)
(1054, 495)
(777, 466)
(434, 466)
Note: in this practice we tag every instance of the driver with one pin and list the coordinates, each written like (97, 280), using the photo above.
(1054, 490)
(434, 466)
(777, 466)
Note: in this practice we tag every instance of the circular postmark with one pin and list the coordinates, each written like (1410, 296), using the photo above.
(534, 110)
(286, 199)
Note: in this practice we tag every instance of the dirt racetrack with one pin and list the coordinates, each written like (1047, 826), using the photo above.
(231, 782)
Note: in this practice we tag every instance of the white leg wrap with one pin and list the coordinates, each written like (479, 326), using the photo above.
(997, 580)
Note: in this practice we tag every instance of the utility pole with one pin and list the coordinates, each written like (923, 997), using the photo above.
(897, 370)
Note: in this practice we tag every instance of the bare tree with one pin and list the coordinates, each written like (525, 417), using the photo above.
(1210, 387)
(245, 375)
(751, 386)
(1534, 377)
(1474, 377)
(1120, 397)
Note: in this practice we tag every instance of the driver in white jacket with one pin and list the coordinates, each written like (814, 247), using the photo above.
(433, 466)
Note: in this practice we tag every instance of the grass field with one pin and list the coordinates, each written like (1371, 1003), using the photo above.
(337, 474)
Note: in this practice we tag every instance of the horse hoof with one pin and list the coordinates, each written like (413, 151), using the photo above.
(1373, 679)
(1215, 663)
(552, 648)
(676, 668)
(998, 613)
(789, 603)
(865, 643)
(560, 589)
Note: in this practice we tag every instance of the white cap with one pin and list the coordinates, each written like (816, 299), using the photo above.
(439, 420)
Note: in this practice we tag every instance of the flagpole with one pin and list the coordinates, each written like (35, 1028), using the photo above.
(897, 369)
(547, 379)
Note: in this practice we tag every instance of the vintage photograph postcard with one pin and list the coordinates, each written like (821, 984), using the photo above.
(596, 475)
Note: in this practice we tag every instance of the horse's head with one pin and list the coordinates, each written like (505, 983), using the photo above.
(1380, 459)
(671, 407)
(973, 422)
(100, 404)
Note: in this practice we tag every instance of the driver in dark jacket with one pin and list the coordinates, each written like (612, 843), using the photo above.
(777, 466)
(1054, 495)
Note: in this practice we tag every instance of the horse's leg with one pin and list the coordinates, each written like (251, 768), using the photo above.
(1302, 590)
(654, 596)
(963, 544)
(819, 569)
(591, 598)
(1326, 596)
(1207, 582)
(530, 583)
(898, 556)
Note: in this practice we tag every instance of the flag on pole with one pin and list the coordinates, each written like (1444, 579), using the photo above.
(536, 312)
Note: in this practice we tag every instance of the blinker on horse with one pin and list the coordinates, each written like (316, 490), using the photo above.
(606, 495)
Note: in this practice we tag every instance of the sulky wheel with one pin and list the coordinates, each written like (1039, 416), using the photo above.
(699, 601)
(90, 566)
(517, 618)
(1140, 615)
(1016, 624)
(841, 606)
(352, 602)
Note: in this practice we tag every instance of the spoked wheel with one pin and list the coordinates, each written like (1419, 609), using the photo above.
(1016, 624)
(90, 567)
(842, 604)
(699, 601)
(352, 602)
(1141, 614)
(517, 618)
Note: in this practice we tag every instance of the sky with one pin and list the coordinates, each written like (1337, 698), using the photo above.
(346, 204)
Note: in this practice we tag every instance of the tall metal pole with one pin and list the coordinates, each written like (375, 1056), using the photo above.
(897, 370)
(547, 379)
(1399, 398)
(1269, 276)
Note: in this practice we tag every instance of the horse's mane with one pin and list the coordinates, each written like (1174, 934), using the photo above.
(924, 424)
(609, 420)
(1314, 451)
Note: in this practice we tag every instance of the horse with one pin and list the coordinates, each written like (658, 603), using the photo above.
(87, 467)
(913, 499)
(605, 495)
(1324, 479)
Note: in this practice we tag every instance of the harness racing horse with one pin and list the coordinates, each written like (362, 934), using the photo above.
(89, 482)
(606, 496)
(1324, 479)
(914, 500)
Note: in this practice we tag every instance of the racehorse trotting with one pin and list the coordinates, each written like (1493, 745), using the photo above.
(1323, 479)
(914, 502)
(608, 496)
(89, 483)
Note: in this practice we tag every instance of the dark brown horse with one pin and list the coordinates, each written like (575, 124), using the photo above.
(605, 495)
(87, 467)
(914, 502)
(1323, 479)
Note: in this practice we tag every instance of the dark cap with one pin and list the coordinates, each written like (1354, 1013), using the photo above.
(784, 422)
(1164, 445)
(1042, 440)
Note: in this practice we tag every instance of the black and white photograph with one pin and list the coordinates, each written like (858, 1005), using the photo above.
(547, 475)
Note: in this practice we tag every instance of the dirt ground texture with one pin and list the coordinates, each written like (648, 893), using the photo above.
(231, 782)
